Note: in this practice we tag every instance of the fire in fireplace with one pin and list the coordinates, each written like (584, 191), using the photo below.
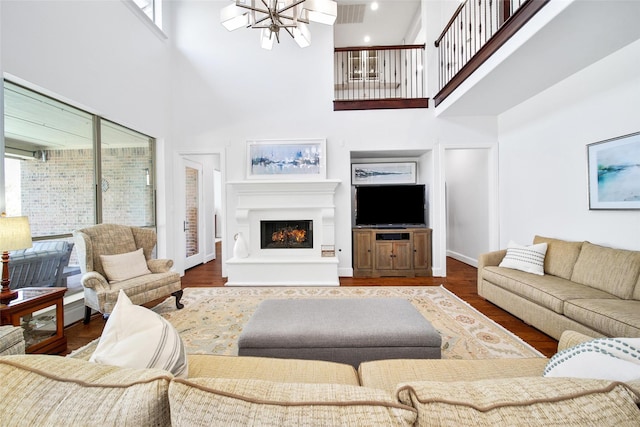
(291, 234)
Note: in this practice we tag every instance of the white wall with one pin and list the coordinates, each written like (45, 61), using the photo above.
(543, 162)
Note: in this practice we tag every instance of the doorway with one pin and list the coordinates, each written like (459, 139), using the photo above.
(192, 223)
(470, 203)
(199, 210)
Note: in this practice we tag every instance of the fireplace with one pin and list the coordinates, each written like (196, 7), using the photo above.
(289, 234)
(288, 227)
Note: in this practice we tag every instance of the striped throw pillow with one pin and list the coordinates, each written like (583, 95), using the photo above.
(525, 258)
(136, 337)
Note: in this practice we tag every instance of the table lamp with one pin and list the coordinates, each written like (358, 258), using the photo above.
(15, 234)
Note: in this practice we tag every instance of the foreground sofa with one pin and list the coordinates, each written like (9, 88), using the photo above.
(587, 288)
(238, 391)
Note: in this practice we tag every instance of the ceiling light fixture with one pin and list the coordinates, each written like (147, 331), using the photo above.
(270, 16)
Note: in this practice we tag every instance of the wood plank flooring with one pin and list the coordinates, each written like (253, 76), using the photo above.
(461, 280)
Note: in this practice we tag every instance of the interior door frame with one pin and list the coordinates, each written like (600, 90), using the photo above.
(199, 257)
(178, 155)
(493, 224)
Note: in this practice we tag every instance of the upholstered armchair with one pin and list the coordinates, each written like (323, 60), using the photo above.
(114, 257)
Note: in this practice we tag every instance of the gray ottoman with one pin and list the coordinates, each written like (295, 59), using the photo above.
(351, 330)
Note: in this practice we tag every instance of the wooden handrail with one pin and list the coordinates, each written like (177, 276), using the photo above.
(511, 26)
(450, 23)
(392, 47)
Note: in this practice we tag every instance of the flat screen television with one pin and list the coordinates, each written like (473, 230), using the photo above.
(390, 205)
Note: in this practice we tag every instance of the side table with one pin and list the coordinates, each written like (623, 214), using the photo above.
(40, 312)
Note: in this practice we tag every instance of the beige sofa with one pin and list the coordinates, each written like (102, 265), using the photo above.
(587, 288)
(244, 390)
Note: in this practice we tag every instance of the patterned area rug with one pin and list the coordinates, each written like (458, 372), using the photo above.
(212, 318)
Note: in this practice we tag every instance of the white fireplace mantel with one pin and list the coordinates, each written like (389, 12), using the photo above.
(285, 200)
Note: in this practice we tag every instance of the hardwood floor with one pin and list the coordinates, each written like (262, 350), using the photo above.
(461, 280)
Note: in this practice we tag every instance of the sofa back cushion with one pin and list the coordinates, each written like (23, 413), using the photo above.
(561, 256)
(611, 270)
(522, 401)
(54, 390)
(235, 402)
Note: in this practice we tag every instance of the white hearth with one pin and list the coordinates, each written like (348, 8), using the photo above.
(284, 201)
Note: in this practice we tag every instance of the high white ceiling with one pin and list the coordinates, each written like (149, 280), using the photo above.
(388, 25)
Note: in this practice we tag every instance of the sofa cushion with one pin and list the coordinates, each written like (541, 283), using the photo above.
(612, 270)
(548, 291)
(611, 317)
(561, 256)
(124, 266)
(636, 290)
(271, 369)
(53, 390)
(11, 340)
(233, 402)
(525, 258)
(523, 401)
(387, 374)
(136, 337)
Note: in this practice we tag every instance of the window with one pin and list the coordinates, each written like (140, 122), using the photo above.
(67, 169)
(151, 8)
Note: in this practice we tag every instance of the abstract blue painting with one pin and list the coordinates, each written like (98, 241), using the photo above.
(614, 173)
(284, 159)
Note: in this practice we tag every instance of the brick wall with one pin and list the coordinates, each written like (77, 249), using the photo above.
(58, 195)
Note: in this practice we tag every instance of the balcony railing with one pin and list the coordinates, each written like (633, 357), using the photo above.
(476, 30)
(379, 77)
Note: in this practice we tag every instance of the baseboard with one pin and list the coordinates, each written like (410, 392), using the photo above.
(463, 258)
(345, 272)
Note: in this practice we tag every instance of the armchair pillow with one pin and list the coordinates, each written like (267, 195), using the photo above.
(124, 266)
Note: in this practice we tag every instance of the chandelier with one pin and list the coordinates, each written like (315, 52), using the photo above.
(271, 16)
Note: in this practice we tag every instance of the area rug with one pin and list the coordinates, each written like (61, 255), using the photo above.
(212, 318)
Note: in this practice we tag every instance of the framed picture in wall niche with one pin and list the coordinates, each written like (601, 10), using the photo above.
(614, 173)
(293, 159)
(383, 173)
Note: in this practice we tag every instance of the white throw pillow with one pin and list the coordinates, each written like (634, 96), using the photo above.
(616, 359)
(124, 266)
(136, 337)
(525, 258)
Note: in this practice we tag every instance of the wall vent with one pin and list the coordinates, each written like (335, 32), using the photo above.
(350, 13)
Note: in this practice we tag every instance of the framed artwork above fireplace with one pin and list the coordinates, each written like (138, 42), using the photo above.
(287, 159)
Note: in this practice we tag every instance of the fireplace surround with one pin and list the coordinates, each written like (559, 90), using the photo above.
(282, 210)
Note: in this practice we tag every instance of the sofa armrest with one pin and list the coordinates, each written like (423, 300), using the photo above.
(570, 339)
(94, 280)
(159, 265)
(491, 258)
(486, 260)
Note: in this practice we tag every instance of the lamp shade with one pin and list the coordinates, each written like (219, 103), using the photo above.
(233, 17)
(15, 233)
(302, 35)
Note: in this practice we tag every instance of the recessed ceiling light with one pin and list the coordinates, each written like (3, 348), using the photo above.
(374, 5)
(367, 39)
